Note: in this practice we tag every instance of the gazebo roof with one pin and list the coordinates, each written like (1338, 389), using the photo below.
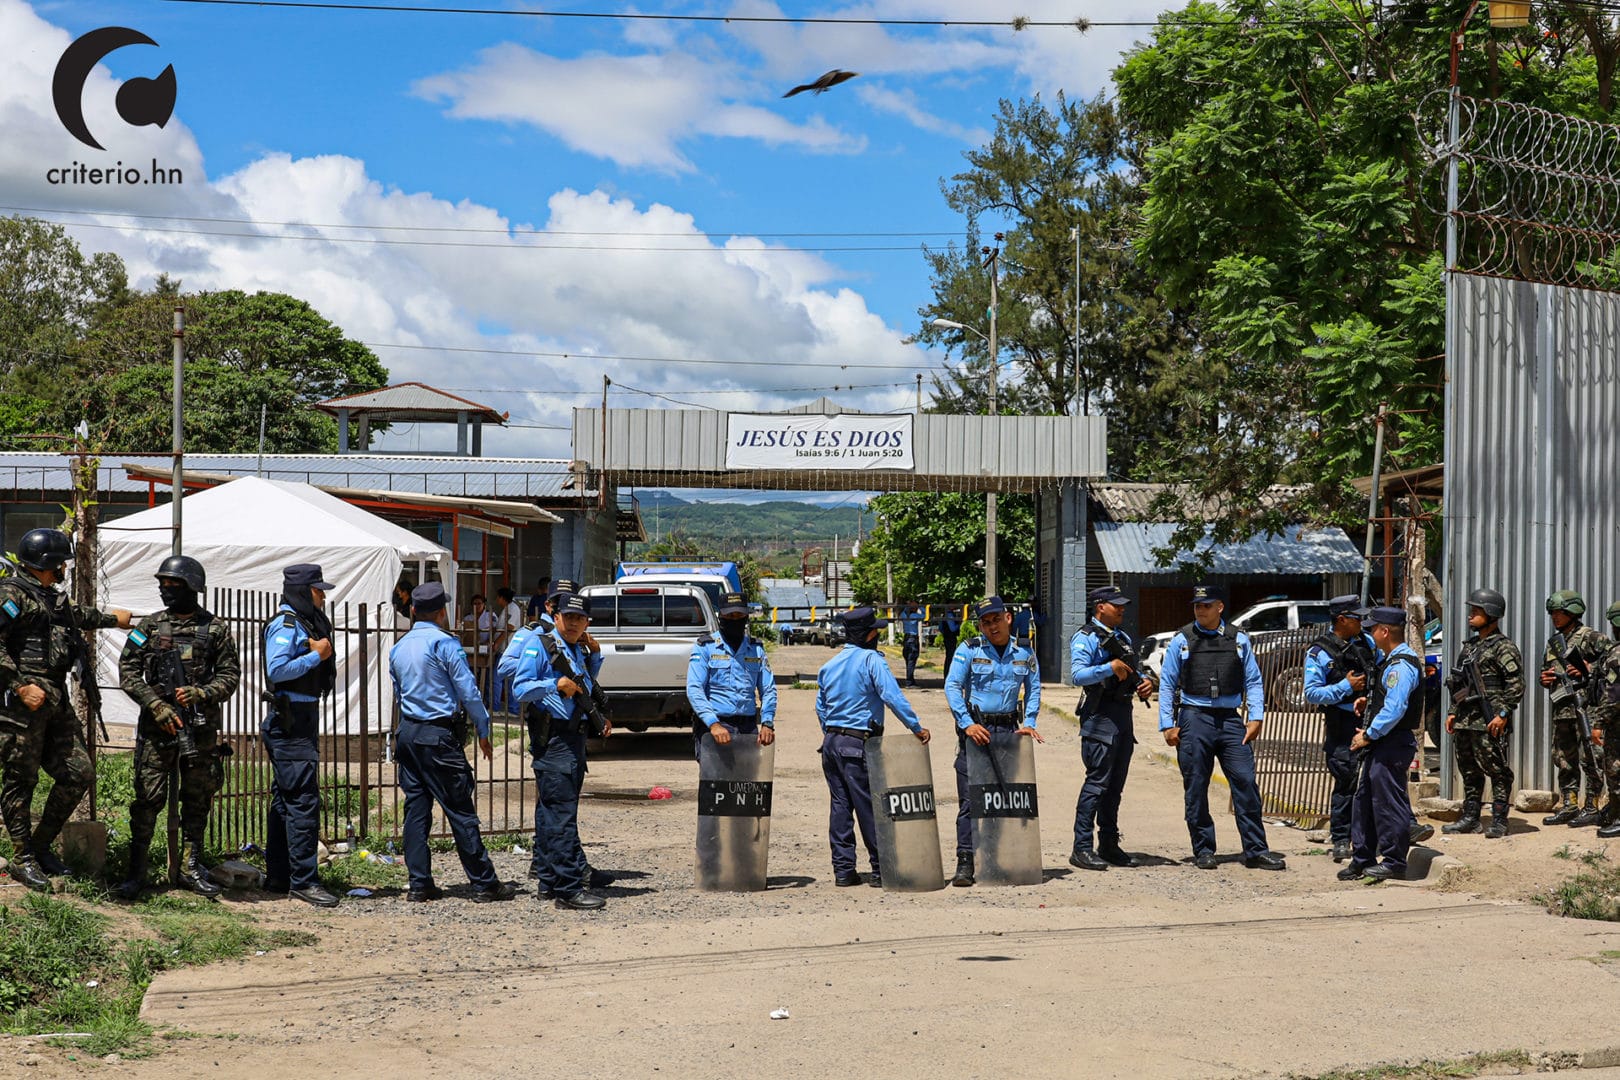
(411, 401)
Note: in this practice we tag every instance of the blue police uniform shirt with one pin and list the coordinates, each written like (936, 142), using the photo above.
(911, 623)
(507, 666)
(1089, 662)
(287, 654)
(1175, 654)
(995, 677)
(853, 687)
(1318, 691)
(1400, 683)
(720, 682)
(536, 677)
(431, 678)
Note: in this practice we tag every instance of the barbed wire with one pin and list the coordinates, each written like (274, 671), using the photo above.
(1538, 192)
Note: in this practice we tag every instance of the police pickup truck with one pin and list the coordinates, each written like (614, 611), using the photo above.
(647, 631)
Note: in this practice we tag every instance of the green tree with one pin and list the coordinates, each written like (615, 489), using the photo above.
(1290, 210)
(932, 540)
(1046, 172)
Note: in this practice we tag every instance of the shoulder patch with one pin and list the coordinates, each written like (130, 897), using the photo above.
(10, 607)
(1392, 680)
(138, 637)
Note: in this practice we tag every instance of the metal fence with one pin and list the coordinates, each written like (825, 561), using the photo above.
(358, 784)
(1289, 765)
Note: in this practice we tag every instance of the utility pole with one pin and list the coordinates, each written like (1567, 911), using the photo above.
(1079, 401)
(177, 478)
(991, 256)
(919, 393)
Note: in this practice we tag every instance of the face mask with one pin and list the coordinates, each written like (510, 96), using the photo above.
(870, 642)
(177, 597)
(732, 631)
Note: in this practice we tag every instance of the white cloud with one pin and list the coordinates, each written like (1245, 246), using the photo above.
(905, 104)
(546, 290)
(635, 110)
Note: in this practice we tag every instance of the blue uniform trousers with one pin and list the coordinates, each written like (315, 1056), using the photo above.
(964, 813)
(292, 832)
(432, 768)
(559, 857)
(1341, 765)
(1208, 735)
(1106, 743)
(1383, 817)
(843, 762)
(910, 649)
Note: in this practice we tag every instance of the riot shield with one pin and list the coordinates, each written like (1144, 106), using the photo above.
(734, 813)
(1002, 803)
(902, 783)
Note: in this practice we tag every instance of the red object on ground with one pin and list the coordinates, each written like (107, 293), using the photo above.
(660, 792)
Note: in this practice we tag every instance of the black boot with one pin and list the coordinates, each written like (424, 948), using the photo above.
(1468, 823)
(1565, 813)
(1611, 821)
(1589, 815)
(1499, 820)
(194, 875)
(49, 863)
(964, 870)
(24, 869)
(132, 886)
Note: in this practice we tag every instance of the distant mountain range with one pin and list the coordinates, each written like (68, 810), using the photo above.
(735, 525)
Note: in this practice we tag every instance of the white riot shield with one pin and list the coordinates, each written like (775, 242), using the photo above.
(902, 784)
(734, 813)
(1006, 815)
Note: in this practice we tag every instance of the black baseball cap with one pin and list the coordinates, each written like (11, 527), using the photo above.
(1108, 594)
(1207, 594)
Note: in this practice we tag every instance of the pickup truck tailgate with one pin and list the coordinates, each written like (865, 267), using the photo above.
(645, 662)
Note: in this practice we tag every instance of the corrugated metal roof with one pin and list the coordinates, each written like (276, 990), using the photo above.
(1127, 548)
(1130, 502)
(412, 398)
(1532, 396)
(792, 596)
(543, 479)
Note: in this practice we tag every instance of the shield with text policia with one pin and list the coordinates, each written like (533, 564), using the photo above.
(1002, 804)
(734, 813)
(903, 810)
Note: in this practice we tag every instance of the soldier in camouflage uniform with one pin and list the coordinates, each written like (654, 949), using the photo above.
(1607, 715)
(1583, 648)
(1481, 729)
(39, 642)
(208, 655)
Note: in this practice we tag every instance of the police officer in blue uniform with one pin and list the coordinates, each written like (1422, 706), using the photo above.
(1209, 671)
(1385, 746)
(729, 682)
(557, 708)
(950, 628)
(851, 690)
(300, 670)
(1103, 660)
(987, 676)
(437, 693)
(540, 620)
(911, 620)
(1337, 667)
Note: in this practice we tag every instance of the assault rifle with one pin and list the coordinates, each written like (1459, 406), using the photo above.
(595, 700)
(169, 671)
(1466, 685)
(1561, 665)
(84, 669)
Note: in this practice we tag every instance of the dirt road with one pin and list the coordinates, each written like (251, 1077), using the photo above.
(1164, 970)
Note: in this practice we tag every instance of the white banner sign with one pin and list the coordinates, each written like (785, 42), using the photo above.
(845, 441)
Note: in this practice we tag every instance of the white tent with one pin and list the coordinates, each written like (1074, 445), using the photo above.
(244, 533)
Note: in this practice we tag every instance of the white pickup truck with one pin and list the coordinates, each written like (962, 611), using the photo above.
(647, 631)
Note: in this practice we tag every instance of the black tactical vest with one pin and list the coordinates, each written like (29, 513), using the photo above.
(47, 644)
(1413, 717)
(1345, 658)
(316, 682)
(1113, 688)
(1212, 668)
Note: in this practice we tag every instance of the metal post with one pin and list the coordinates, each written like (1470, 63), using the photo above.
(990, 497)
(177, 481)
(1079, 403)
(919, 393)
(1454, 140)
(602, 458)
(1372, 509)
(888, 572)
(262, 410)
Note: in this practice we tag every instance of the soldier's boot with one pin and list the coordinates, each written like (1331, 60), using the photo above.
(140, 857)
(1468, 823)
(49, 863)
(1499, 820)
(964, 870)
(1589, 815)
(1611, 819)
(1565, 813)
(194, 875)
(26, 870)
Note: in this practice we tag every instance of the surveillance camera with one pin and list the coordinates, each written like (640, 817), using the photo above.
(979, 563)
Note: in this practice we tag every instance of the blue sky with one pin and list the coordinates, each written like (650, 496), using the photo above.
(636, 136)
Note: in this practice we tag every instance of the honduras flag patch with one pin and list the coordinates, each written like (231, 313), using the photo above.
(10, 607)
(138, 637)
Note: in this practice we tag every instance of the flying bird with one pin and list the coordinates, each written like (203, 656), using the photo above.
(823, 84)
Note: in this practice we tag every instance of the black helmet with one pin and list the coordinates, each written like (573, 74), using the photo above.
(45, 549)
(1491, 602)
(186, 569)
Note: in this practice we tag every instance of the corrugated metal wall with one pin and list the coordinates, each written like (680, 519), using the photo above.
(1532, 461)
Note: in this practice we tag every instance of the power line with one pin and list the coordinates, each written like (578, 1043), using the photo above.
(640, 359)
(456, 229)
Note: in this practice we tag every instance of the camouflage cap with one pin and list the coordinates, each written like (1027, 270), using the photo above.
(1567, 600)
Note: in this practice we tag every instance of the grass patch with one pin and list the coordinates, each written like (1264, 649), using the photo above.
(350, 871)
(1593, 893)
(1472, 1065)
(1564, 853)
(62, 969)
(802, 686)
